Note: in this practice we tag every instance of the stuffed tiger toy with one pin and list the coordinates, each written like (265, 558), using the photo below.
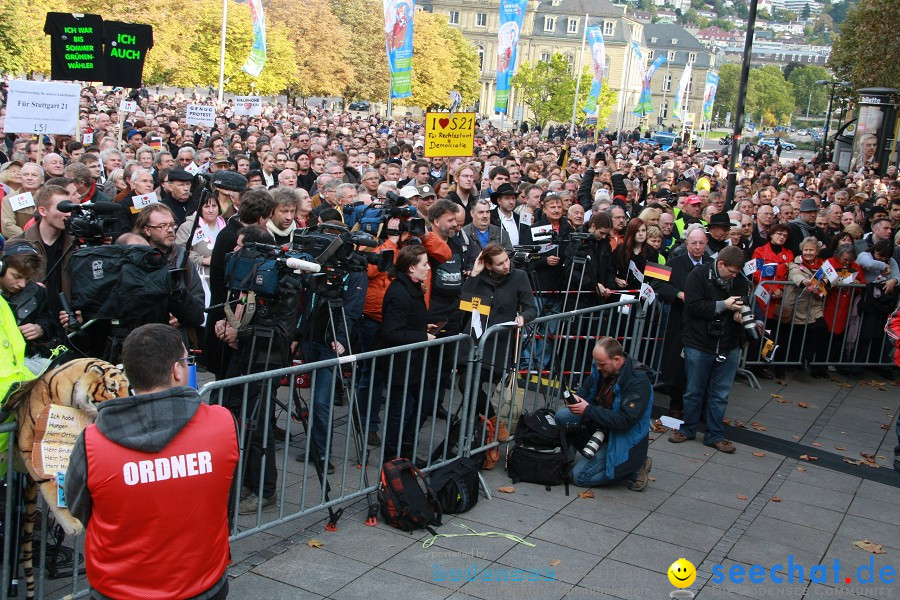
(82, 384)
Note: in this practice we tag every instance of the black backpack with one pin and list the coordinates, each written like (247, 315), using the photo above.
(456, 485)
(539, 453)
(407, 501)
(452, 442)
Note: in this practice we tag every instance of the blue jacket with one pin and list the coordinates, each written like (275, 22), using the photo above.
(627, 422)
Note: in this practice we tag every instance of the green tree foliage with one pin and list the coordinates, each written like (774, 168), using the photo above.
(362, 19)
(726, 94)
(866, 52)
(548, 90)
(443, 61)
(806, 92)
(23, 46)
(767, 90)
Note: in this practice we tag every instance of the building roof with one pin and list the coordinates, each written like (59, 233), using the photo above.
(659, 36)
(595, 8)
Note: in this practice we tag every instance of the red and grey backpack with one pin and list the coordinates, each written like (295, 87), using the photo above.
(407, 501)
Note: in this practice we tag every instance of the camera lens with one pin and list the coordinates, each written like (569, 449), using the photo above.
(593, 445)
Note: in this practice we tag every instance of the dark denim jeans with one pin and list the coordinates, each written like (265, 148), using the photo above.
(711, 380)
(322, 396)
(586, 472)
(371, 378)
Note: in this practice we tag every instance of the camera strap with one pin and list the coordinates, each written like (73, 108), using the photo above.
(246, 316)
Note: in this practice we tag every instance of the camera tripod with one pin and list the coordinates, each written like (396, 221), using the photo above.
(332, 301)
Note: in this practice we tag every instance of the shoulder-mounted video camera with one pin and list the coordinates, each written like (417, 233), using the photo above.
(93, 222)
(373, 218)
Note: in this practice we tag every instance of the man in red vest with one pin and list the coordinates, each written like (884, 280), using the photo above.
(150, 480)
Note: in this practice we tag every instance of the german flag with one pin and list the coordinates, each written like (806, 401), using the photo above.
(658, 271)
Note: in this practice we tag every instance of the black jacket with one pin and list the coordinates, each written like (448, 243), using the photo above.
(701, 292)
(672, 364)
(549, 277)
(404, 321)
(30, 306)
(510, 297)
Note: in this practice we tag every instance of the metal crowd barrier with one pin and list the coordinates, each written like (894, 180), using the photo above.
(409, 374)
(519, 370)
(849, 338)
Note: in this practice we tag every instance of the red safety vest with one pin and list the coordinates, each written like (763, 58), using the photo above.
(159, 524)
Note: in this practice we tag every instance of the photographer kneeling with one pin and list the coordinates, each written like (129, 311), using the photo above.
(613, 408)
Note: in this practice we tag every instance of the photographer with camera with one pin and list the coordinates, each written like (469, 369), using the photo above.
(713, 332)
(52, 242)
(609, 418)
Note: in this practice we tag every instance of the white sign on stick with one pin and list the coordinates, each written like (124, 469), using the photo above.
(200, 114)
(248, 105)
(42, 107)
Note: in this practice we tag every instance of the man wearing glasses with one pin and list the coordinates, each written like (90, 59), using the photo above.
(156, 224)
(132, 472)
(713, 297)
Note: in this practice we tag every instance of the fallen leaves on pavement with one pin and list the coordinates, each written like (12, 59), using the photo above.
(817, 444)
(808, 458)
(555, 562)
(741, 497)
(801, 469)
(869, 546)
(507, 489)
(759, 454)
(803, 405)
(314, 543)
(775, 499)
(658, 427)
(586, 494)
(840, 447)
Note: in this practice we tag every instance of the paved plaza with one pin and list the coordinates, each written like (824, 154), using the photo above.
(787, 494)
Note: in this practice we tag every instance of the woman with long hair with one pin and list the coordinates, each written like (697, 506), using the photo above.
(633, 249)
(404, 321)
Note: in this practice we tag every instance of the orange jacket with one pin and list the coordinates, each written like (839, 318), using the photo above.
(379, 281)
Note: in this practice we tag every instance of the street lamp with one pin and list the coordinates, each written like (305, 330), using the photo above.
(833, 85)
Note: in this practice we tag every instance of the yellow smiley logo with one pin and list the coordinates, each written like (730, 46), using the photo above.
(682, 573)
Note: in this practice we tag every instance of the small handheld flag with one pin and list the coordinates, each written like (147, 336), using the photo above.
(658, 271)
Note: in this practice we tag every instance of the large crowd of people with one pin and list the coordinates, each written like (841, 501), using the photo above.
(615, 202)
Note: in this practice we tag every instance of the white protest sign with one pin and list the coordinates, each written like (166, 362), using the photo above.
(145, 200)
(127, 106)
(87, 138)
(830, 272)
(541, 231)
(750, 267)
(625, 309)
(200, 114)
(763, 294)
(248, 105)
(22, 201)
(647, 293)
(709, 170)
(55, 432)
(634, 271)
(526, 218)
(192, 168)
(42, 107)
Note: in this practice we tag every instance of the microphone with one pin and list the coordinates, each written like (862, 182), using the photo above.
(101, 208)
(303, 266)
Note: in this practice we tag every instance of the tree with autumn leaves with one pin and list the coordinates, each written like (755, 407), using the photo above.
(314, 47)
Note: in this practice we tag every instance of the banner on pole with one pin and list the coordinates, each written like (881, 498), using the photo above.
(257, 59)
(709, 95)
(645, 103)
(598, 57)
(398, 33)
(678, 103)
(512, 13)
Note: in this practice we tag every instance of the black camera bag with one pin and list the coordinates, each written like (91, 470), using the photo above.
(539, 452)
(456, 485)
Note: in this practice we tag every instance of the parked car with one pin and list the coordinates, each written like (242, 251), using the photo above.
(770, 142)
(360, 105)
(663, 140)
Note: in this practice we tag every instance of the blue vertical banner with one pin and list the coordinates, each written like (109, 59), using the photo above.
(398, 33)
(595, 42)
(512, 13)
(257, 59)
(709, 95)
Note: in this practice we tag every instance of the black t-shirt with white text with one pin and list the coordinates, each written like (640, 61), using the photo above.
(76, 46)
(126, 46)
